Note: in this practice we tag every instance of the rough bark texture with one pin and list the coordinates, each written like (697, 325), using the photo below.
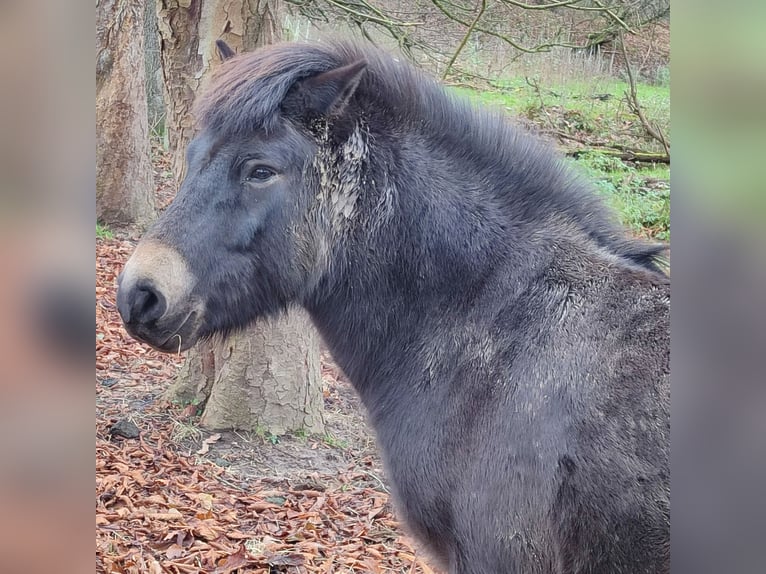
(124, 182)
(195, 378)
(155, 97)
(267, 378)
(188, 31)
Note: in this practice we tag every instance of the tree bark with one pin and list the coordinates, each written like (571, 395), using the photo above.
(267, 378)
(188, 31)
(124, 181)
(155, 96)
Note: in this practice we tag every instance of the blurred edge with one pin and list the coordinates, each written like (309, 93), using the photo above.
(719, 280)
(47, 287)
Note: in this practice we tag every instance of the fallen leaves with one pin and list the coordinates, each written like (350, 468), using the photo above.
(207, 442)
(155, 508)
(160, 510)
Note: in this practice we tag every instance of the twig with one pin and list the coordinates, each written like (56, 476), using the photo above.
(378, 18)
(468, 33)
(631, 98)
(613, 16)
(380, 482)
(535, 85)
(229, 483)
(546, 47)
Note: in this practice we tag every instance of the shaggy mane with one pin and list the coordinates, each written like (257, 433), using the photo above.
(247, 90)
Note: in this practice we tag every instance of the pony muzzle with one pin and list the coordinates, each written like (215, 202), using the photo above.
(154, 298)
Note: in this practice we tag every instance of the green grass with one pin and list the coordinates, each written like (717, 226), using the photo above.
(103, 232)
(266, 435)
(330, 440)
(595, 108)
(595, 112)
(641, 197)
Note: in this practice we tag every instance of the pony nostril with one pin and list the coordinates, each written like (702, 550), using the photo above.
(142, 304)
(149, 303)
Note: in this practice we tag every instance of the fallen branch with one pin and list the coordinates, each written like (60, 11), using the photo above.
(623, 154)
(589, 143)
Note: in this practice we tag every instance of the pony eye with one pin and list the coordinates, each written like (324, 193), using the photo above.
(259, 174)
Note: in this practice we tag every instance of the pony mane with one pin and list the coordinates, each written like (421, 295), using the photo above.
(246, 91)
(530, 180)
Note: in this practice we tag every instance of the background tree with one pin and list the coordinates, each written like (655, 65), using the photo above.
(188, 31)
(124, 182)
(268, 377)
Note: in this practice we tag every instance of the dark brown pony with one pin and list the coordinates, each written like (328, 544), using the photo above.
(510, 345)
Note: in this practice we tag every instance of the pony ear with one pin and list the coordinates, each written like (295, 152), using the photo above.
(224, 50)
(324, 94)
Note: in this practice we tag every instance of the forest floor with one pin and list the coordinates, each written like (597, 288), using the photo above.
(172, 497)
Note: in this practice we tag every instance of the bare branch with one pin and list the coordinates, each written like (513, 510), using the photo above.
(631, 98)
(573, 4)
(406, 31)
(379, 18)
(636, 156)
(614, 17)
(506, 39)
(465, 38)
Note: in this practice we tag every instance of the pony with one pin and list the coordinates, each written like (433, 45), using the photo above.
(508, 341)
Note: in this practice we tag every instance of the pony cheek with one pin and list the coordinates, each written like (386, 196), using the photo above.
(262, 202)
(245, 231)
(244, 234)
(254, 194)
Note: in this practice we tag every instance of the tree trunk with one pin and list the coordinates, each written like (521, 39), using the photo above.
(155, 98)
(267, 378)
(188, 31)
(124, 182)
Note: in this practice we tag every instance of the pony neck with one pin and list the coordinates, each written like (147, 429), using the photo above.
(421, 260)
